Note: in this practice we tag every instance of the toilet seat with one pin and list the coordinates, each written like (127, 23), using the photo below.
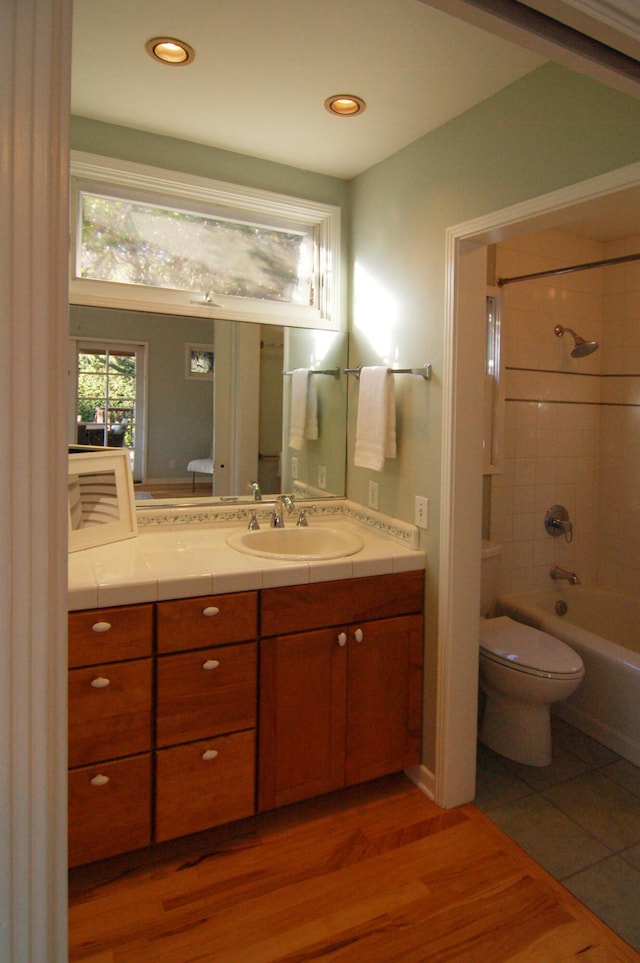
(525, 649)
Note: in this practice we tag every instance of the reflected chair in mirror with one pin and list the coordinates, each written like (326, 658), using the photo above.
(200, 466)
(116, 434)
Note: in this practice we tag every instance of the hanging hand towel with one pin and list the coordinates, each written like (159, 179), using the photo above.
(304, 408)
(311, 418)
(376, 422)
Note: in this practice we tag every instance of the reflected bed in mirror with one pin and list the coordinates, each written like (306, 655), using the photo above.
(249, 394)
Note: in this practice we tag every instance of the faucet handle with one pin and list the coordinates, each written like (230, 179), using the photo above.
(302, 516)
(254, 524)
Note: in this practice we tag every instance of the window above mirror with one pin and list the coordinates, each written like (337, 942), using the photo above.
(160, 240)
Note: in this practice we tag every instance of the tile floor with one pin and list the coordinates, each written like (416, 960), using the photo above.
(579, 818)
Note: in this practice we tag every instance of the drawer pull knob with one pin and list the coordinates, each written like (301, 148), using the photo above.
(100, 682)
(210, 664)
(211, 610)
(209, 754)
(342, 639)
(101, 626)
(99, 780)
(358, 635)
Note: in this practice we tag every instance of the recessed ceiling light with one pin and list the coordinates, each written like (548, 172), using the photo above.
(345, 105)
(170, 51)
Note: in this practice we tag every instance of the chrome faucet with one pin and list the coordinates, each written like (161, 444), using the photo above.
(559, 573)
(282, 502)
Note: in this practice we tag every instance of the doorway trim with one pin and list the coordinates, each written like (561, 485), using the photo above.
(460, 533)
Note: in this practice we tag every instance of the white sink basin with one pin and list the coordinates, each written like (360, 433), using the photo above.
(296, 544)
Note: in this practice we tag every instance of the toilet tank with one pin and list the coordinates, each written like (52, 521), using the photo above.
(491, 553)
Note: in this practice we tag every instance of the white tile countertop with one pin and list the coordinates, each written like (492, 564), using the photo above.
(181, 552)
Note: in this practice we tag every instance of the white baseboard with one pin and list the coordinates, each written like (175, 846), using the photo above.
(424, 779)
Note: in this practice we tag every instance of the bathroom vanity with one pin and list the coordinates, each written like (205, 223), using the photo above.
(188, 710)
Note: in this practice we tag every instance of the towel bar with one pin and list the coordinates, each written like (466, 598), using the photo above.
(424, 372)
(335, 372)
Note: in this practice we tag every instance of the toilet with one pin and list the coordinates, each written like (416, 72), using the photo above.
(523, 671)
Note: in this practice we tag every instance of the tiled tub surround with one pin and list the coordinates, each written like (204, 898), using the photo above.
(182, 553)
(572, 425)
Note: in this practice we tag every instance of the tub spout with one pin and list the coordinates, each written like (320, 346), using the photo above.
(561, 573)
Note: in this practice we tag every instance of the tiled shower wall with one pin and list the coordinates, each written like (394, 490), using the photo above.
(572, 425)
(619, 503)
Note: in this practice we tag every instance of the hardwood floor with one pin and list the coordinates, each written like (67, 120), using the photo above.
(373, 873)
(202, 489)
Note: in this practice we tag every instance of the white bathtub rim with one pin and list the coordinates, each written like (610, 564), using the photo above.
(524, 605)
(606, 735)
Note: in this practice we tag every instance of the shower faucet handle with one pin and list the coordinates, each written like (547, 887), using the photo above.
(557, 522)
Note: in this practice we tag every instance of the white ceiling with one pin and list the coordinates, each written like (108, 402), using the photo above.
(264, 68)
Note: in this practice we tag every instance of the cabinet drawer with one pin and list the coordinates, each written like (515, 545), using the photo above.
(110, 635)
(109, 809)
(204, 784)
(298, 608)
(211, 620)
(112, 716)
(203, 693)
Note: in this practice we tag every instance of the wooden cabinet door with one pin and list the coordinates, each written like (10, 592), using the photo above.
(206, 692)
(110, 635)
(383, 697)
(109, 711)
(204, 784)
(302, 716)
(300, 608)
(109, 809)
(208, 620)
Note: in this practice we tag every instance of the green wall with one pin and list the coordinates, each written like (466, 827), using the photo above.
(548, 130)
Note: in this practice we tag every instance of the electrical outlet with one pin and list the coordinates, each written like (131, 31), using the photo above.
(294, 467)
(422, 512)
(172, 463)
(322, 476)
(373, 495)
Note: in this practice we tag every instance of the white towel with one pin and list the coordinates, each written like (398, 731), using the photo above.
(376, 422)
(304, 408)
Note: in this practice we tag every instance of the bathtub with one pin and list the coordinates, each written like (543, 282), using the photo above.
(604, 628)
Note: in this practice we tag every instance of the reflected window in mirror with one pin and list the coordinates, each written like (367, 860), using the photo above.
(108, 390)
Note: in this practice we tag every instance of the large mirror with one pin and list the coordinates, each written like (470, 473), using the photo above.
(205, 406)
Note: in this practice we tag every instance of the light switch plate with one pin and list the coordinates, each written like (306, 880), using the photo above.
(422, 512)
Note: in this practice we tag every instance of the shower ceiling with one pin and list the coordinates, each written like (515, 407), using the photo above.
(617, 217)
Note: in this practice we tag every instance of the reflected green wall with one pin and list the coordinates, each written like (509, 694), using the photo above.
(179, 409)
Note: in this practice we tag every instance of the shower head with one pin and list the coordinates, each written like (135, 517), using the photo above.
(581, 347)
